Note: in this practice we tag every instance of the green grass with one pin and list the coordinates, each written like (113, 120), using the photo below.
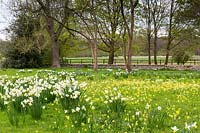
(176, 92)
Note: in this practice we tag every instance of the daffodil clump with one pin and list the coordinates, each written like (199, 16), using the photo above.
(31, 94)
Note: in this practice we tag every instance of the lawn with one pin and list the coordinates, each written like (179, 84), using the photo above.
(110, 101)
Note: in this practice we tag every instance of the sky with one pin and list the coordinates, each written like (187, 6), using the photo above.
(5, 18)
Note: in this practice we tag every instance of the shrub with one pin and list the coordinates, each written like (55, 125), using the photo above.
(181, 57)
(16, 59)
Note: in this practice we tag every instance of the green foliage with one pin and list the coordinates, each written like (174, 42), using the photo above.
(13, 117)
(157, 118)
(16, 104)
(189, 12)
(71, 46)
(117, 105)
(27, 42)
(2, 92)
(36, 108)
(181, 57)
(16, 59)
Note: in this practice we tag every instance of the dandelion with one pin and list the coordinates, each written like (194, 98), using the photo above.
(174, 129)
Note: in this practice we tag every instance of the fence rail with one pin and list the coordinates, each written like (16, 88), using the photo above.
(121, 61)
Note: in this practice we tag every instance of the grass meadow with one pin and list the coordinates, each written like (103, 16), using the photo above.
(110, 101)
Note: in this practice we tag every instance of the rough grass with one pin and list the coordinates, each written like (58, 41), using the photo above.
(176, 92)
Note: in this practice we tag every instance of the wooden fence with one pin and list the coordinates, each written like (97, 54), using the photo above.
(121, 61)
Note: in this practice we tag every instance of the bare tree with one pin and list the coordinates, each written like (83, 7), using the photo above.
(87, 25)
(129, 28)
(59, 10)
(170, 39)
(109, 20)
(158, 11)
(146, 10)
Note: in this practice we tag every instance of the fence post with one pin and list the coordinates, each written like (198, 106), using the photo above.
(81, 61)
(160, 62)
(103, 61)
(137, 62)
(92, 61)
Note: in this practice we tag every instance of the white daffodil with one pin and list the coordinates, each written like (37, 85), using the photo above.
(77, 109)
(137, 113)
(83, 108)
(194, 125)
(73, 110)
(159, 108)
(187, 126)
(147, 106)
(174, 129)
(66, 111)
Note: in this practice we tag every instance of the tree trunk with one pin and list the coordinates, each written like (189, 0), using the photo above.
(169, 33)
(155, 46)
(128, 64)
(149, 51)
(54, 43)
(149, 32)
(95, 58)
(111, 56)
(94, 41)
(130, 30)
(167, 56)
(55, 53)
(149, 45)
(94, 54)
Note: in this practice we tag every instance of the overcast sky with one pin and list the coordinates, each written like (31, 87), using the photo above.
(5, 17)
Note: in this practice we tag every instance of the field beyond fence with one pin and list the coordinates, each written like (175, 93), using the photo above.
(136, 60)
